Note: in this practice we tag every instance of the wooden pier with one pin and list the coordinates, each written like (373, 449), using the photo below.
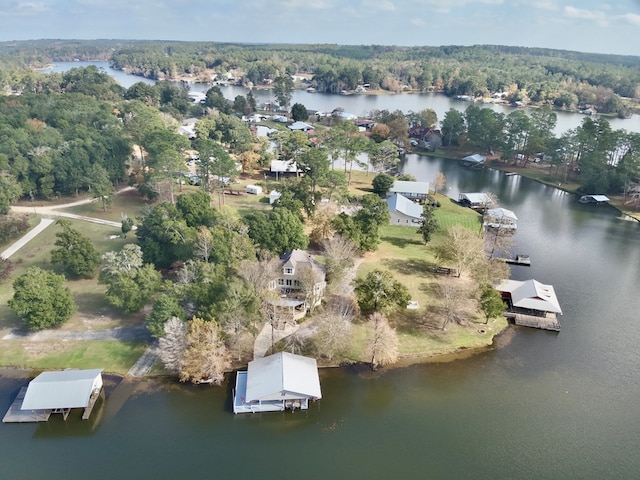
(15, 414)
(95, 394)
(547, 322)
(523, 260)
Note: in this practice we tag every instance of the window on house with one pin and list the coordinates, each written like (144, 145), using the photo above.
(288, 271)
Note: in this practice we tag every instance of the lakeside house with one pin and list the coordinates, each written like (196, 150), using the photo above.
(302, 126)
(56, 392)
(301, 283)
(282, 381)
(404, 212)
(412, 190)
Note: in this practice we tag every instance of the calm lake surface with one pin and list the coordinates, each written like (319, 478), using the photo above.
(358, 104)
(540, 406)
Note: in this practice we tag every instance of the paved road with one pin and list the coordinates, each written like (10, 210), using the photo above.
(144, 363)
(30, 235)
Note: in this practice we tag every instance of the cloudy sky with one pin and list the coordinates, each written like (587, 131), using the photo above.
(582, 25)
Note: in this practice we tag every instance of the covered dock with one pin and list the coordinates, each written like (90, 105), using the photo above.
(282, 381)
(56, 392)
(531, 304)
(597, 199)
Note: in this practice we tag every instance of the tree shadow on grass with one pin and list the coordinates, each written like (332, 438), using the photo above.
(401, 242)
(411, 266)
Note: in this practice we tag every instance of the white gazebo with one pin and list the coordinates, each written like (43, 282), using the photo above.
(275, 383)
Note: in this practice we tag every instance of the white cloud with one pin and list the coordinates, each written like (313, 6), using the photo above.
(631, 18)
(384, 5)
(591, 15)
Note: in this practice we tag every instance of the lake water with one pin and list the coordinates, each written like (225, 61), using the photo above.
(540, 406)
(359, 104)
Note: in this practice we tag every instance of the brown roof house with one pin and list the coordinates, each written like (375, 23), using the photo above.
(301, 283)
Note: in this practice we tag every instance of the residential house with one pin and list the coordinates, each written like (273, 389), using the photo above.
(404, 212)
(302, 126)
(282, 381)
(301, 283)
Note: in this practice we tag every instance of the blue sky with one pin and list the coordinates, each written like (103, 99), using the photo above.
(582, 25)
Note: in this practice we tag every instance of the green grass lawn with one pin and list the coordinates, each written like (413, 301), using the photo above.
(93, 309)
(403, 253)
(129, 203)
(114, 357)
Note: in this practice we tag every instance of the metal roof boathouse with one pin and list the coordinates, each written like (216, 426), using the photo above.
(531, 304)
(56, 392)
(276, 383)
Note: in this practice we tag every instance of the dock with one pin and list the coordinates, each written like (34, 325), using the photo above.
(546, 322)
(15, 414)
(523, 260)
(95, 394)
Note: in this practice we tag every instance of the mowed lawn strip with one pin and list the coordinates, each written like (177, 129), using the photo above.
(113, 357)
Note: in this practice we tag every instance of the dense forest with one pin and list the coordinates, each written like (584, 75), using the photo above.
(562, 79)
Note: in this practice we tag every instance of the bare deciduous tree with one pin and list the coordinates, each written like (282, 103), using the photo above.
(463, 249)
(204, 244)
(206, 358)
(339, 253)
(382, 341)
(439, 183)
(172, 344)
(333, 328)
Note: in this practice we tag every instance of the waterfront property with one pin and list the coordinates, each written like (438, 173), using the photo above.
(301, 282)
(531, 304)
(56, 392)
(412, 190)
(275, 383)
(404, 212)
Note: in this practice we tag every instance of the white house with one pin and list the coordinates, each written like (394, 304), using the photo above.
(419, 190)
(275, 383)
(404, 212)
(304, 127)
